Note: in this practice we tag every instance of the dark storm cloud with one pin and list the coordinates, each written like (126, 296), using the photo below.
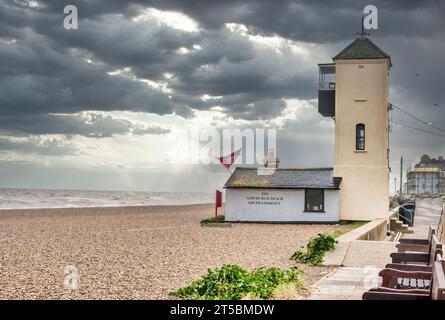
(36, 78)
(44, 68)
(304, 20)
(48, 147)
(89, 124)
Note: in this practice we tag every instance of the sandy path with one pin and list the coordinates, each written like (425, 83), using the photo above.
(132, 252)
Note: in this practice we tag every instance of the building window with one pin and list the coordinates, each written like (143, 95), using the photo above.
(314, 200)
(360, 136)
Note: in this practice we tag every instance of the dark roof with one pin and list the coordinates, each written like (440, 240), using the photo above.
(362, 48)
(439, 165)
(284, 179)
(428, 162)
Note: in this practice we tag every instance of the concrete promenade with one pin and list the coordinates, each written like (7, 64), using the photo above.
(346, 283)
(360, 261)
(357, 273)
(427, 214)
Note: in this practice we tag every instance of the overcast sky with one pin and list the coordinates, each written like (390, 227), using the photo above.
(106, 106)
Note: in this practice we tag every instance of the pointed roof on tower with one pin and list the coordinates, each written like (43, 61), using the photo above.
(362, 48)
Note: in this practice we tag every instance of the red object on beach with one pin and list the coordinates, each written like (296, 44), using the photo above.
(228, 160)
(218, 203)
(218, 199)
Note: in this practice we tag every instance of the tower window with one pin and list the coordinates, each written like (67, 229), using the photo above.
(360, 136)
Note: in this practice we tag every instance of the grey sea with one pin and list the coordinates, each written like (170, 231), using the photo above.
(41, 198)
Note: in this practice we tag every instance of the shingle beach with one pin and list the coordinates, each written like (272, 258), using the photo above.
(133, 252)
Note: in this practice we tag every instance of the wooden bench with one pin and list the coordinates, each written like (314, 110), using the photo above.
(416, 245)
(436, 291)
(395, 275)
(418, 258)
(412, 262)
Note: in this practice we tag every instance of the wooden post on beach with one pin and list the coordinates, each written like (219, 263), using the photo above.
(218, 203)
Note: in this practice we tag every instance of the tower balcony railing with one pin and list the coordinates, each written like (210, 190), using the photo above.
(326, 90)
(326, 76)
(326, 85)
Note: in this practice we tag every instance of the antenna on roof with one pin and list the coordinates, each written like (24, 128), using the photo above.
(363, 33)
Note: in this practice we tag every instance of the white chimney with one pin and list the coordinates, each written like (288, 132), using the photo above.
(271, 161)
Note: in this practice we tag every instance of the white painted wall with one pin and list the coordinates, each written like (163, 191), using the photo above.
(288, 206)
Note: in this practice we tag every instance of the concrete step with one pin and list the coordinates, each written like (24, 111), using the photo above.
(398, 226)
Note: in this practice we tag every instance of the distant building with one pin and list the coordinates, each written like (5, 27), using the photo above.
(427, 177)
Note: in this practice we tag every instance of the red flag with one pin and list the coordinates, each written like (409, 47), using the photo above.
(228, 160)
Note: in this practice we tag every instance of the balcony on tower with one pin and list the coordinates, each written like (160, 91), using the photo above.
(326, 90)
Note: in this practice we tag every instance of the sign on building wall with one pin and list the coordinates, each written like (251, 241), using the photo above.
(276, 205)
(265, 199)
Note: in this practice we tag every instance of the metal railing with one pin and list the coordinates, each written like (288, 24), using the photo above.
(403, 218)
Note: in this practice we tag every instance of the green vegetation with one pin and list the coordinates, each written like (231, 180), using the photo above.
(231, 282)
(315, 250)
(353, 223)
(221, 218)
(318, 246)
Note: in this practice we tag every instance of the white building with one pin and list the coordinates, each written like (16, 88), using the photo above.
(286, 196)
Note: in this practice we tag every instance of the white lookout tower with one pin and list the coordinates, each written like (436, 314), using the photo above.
(354, 91)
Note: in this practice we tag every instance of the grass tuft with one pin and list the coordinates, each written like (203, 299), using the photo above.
(315, 250)
(221, 218)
